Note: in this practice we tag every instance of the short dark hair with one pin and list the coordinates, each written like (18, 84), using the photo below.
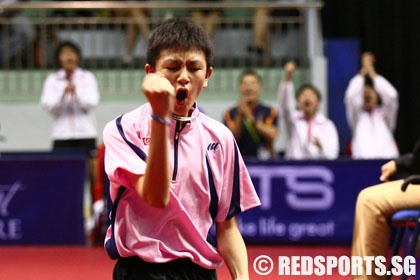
(178, 34)
(369, 81)
(308, 86)
(66, 44)
(250, 72)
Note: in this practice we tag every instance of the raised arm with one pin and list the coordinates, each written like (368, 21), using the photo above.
(286, 96)
(86, 92)
(353, 99)
(154, 186)
(52, 95)
(389, 97)
(386, 91)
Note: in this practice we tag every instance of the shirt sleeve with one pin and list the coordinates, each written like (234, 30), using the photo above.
(410, 162)
(353, 99)
(287, 103)
(87, 93)
(389, 98)
(52, 94)
(238, 193)
(120, 158)
(329, 141)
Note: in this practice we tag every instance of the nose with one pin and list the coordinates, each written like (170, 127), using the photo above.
(183, 77)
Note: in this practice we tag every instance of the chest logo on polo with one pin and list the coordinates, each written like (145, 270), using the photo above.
(212, 146)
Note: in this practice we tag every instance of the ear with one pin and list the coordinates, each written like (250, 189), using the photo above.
(208, 74)
(149, 69)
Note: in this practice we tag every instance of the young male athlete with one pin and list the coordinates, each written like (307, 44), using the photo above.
(175, 172)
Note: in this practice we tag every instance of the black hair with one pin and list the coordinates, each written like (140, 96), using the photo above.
(308, 86)
(250, 72)
(179, 34)
(369, 83)
(66, 44)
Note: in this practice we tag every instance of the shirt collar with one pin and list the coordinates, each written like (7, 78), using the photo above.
(62, 74)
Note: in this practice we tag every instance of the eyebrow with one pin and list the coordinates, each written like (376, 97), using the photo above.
(189, 62)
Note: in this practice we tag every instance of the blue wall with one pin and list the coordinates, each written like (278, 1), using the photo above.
(343, 63)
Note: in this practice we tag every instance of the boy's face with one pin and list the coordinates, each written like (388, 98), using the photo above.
(308, 102)
(187, 71)
(250, 89)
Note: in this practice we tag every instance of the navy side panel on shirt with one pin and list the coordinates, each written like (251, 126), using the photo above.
(235, 203)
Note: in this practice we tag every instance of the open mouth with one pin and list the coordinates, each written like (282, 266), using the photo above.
(181, 96)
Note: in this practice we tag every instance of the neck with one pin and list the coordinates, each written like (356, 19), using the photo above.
(309, 116)
(69, 73)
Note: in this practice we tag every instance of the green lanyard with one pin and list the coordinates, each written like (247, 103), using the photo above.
(251, 129)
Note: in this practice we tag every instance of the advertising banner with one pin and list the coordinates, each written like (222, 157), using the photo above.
(41, 199)
(306, 201)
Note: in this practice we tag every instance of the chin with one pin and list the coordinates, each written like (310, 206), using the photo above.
(180, 111)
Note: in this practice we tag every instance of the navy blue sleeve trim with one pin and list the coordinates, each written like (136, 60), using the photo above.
(111, 245)
(136, 149)
(214, 199)
(235, 203)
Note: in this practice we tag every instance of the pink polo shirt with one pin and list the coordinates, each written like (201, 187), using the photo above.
(209, 183)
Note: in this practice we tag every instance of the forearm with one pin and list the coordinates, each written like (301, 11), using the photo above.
(268, 132)
(87, 96)
(154, 188)
(236, 126)
(232, 248)
(52, 98)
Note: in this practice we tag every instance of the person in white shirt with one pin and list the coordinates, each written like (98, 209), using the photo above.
(311, 135)
(69, 95)
(371, 108)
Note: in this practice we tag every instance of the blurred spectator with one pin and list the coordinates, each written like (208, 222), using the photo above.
(209, 19)
(141, 23)
(70, 95)
(72, 13)
(253, 124)
(311, 134)
(18, 37)
(371, 107)
(262, 18)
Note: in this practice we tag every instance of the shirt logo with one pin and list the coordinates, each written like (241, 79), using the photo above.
(146, 141)
(212, 146)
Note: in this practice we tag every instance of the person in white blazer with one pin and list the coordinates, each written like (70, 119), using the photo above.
(311, 135)
(371, 104)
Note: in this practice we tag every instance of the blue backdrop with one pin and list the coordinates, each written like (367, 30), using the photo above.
(306, 202)
(41, 198)
(343, 57)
